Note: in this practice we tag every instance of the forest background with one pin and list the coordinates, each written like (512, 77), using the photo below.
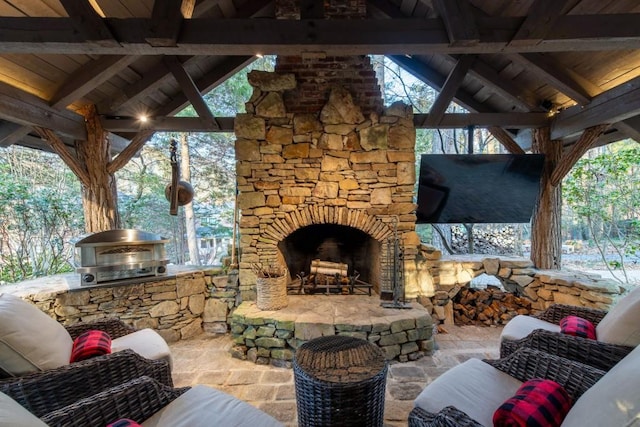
(41, 215)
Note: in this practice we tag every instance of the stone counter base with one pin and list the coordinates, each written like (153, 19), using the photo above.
(271, 337)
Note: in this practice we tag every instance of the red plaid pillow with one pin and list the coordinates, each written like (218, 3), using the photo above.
(90, 344)
(577, 326)
(124, 422)
(537, 403)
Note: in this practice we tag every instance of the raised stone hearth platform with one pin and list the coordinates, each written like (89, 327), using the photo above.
(271, 337)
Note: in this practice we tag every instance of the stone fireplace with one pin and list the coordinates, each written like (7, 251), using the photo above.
(324, 171)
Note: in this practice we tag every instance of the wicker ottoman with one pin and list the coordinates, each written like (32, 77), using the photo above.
(340, 381)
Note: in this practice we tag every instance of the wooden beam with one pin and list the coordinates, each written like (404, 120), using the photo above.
(206, 36)
(506, 120)
(166, 19)
(190, 90)
(577, 150)
(540, 19)
(88, 23)
(630, 127)
(25, 109)
(505, 139)
(449, 89)
(131, 150)
(459, 20)
(436, 80)
(561, 78)
(167, 124)
(614, 105)
(10, 133)
(311, 9)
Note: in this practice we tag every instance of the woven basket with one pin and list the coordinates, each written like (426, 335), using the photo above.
(272, 293)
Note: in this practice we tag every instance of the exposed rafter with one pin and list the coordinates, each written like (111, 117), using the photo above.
(167, 17)
(459, 21)
(88, 23)
(449, 89)
(541, 17)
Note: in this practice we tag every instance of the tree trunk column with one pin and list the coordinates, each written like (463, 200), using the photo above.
(546, 238)
(99, 194)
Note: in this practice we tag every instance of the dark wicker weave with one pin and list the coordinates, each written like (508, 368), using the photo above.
(340, 381)
(524, 364)
(137, 400)
(47, 391)
(114, 327)
(595, 353)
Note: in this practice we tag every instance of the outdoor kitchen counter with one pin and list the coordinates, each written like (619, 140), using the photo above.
(179, 305)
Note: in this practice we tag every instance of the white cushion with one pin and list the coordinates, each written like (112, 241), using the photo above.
(621, 325)
(146, 342)
(614, 400)
(474, 387)
(12, 414)
(30, 340)
(521, 326)
(204, 406)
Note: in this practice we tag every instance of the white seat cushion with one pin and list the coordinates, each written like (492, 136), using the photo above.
(521, 326)
(12, 414)
(204, 406)
(30, 340)
(614, 400)
(474, 387)
(621, 325)
(146, 342)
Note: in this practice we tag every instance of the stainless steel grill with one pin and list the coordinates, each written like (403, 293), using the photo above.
(120, 256)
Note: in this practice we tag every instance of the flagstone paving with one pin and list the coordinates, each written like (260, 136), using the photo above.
(207, 360)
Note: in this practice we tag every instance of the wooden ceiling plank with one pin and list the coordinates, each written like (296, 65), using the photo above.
(189, 88)
(577, 150)
(434, 79)
(506, 140)
(614, 105)
(28, 110)
(268, 36)
(88, 77)
(630, 127)
(506, 120)
(449, 89)
(541, 17)
(166, 20)
(459, 20)
(87, 21)
(520, 97)
(569, 83)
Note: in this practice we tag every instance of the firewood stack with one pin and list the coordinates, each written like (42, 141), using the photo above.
(490, 306)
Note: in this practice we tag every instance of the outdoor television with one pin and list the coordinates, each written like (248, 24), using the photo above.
(478, 188)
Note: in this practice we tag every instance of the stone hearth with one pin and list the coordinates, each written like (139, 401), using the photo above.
(271, 337)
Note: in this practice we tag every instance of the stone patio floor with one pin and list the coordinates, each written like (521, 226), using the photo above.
(206, 360)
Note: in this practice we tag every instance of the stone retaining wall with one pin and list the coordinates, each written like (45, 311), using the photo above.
(442, 278)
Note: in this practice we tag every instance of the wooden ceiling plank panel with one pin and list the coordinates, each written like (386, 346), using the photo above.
(614, 105)
(540, 18)
(571, 84)
(449, 89)
(459, 20)
(87, 78)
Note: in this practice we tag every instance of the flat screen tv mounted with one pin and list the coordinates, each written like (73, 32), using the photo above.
(478, 188)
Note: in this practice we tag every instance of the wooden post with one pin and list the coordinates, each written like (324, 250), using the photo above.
(99, 195)
(546, 239)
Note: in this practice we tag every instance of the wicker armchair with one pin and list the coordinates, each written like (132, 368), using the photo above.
(50, 390)
(522, 365)
(145, 400)
(31, 341)
(542, 332)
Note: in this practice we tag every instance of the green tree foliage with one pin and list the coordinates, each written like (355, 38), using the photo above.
(602, 192)
(40, 213)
